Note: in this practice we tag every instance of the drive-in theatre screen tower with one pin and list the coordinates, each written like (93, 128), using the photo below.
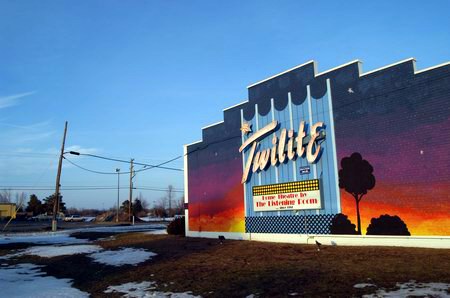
(341, 152)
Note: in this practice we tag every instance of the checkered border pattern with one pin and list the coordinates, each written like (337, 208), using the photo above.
(289, 224)
(297, 186)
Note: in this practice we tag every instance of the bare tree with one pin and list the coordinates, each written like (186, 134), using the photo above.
(159, 208)
(145, 205)
(161, 203)
(179, 206)
(20, 200)
(144, 202)
(167, 204)
(170, 197)
(5, 196)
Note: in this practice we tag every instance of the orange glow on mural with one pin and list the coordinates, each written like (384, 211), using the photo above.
(425, 212)
(225, 214)
(227, 221)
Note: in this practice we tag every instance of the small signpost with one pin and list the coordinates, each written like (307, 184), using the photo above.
(305, 170)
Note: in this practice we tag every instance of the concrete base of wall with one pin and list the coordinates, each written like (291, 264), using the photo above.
(341, 240)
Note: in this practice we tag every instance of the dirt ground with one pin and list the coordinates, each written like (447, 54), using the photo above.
(240, 268)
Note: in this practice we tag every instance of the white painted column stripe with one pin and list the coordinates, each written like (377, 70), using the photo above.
(333, 145)
(272, 107)
(291, 120)
(257, 128)
(314, 166)
(308, 92)
(244, 185)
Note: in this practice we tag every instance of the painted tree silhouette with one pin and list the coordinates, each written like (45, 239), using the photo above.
(356, 178)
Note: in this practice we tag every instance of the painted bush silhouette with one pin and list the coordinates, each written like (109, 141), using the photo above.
(340, 224)
(387, 225)
(356, 178)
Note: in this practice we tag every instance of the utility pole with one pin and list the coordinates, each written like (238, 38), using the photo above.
(170, 200)
(118, 193)
(58, 179)
(131, 190)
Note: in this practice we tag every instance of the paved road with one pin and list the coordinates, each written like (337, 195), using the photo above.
(39, 226)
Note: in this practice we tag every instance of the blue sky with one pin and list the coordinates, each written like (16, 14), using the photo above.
(140, 78)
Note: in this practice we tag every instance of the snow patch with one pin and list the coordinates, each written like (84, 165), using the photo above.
(363, 285)
(124, 256)
(156, 232)
(63, 237)
(414, 289)
(123, 229)
(55, 251)
(156, 219)
(145, 289)
(110, 238)
(27, 280)
(10, 256)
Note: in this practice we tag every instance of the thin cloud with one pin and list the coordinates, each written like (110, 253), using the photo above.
(24, 138)
(81, 149)
(35, 126)
(12, 100)
(26, 133)
(76, 148)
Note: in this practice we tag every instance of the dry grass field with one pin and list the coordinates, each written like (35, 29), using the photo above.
(240, 268)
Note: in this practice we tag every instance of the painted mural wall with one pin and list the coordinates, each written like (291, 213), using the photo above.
(215, 194)
(399, 122)
(390, 131)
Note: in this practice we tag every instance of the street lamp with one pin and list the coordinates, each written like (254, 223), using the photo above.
(118, 182)
(118, 186)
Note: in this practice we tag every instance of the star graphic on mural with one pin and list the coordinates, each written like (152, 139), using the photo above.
(246, 128)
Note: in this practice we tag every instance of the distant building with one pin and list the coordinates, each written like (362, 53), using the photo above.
(7, 210)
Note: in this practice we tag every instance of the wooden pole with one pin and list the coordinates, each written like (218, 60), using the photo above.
(58, 179)
(131, 191)
(118, 193)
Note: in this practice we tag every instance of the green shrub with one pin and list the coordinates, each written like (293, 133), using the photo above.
(176, 227)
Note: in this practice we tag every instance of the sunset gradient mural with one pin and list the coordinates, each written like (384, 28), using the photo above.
(215, 193)
(217, 206)
(396, 118)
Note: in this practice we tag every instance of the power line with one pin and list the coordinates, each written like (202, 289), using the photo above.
(7, 187)
(93, 188)
(48, 155)
(153, 189)
(160, 165)
(94, 171)
(146, 166)
(120, 173)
